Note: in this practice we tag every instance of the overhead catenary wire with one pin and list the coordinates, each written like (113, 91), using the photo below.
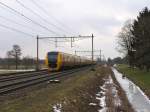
(44, 11)
(38, 15)
(18, 23)
(16, 30)
(21, 14)
(14, 22)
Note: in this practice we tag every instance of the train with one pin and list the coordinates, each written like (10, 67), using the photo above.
(56, 61)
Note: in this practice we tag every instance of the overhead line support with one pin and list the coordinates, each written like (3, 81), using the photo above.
(56, 40)
(37, 61)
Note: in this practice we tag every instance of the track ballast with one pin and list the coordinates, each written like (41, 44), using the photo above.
(12, 83)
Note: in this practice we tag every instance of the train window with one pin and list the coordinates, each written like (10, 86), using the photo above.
(52, 56)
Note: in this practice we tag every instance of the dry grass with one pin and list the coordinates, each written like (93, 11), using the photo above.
(74, 93)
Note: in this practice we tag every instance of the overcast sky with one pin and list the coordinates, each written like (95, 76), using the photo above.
(103, 18)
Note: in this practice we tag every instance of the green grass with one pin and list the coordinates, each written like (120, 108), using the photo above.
(139, 77)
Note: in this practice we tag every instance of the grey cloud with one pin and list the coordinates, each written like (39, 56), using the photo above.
(81, 16)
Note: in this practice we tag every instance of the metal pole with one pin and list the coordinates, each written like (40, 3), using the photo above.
(92, 49)
(55, 42)
(37, 63)
(71, 42)
(100, 55)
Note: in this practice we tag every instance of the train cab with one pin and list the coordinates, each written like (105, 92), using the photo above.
(52, 61)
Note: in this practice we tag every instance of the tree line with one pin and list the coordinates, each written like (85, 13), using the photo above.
(134, 40)
(13, 60)
(117, 60)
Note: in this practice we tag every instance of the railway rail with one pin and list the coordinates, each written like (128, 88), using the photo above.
(13, 83)
(21, 75)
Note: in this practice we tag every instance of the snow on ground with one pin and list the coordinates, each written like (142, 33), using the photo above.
(57, 108)
(101, 97)
(92, 104)
(135, 95)
(108, 87)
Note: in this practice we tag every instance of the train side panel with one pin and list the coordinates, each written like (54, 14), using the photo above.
(67, 60)
(59, 62)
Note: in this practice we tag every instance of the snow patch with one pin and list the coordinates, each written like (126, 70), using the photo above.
(135, 95)
(57, 108)
(92, 104)
(102, 101)
(108, 86)
(53, 81)
(101, 97)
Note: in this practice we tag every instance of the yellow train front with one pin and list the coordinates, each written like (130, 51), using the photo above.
(56, 61)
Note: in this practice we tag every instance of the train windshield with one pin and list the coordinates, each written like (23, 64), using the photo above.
(52, 56)
(52, 59)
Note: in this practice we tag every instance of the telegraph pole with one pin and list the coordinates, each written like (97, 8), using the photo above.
(92, 48)
(55, 42)
(71, 42)
(100, 55)
(37, 60)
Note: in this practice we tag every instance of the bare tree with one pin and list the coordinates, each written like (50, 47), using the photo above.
(8, 59)
(28, 62)
(125, 40)
(16, 53)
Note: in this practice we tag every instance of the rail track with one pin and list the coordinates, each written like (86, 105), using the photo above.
(21, 75)
(12, 83)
